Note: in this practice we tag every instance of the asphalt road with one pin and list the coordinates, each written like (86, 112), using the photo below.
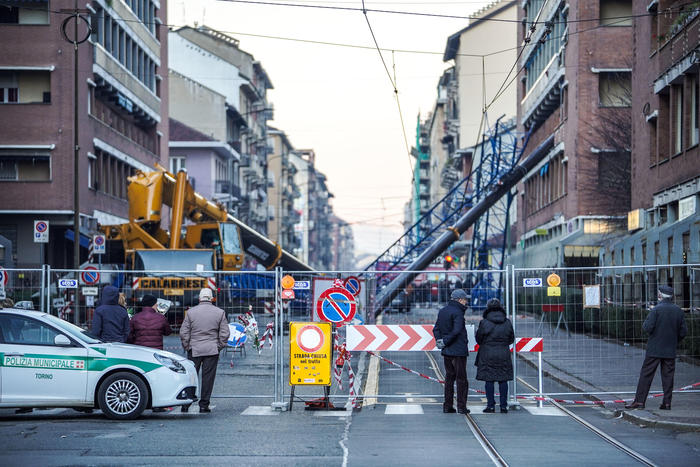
(404, 430)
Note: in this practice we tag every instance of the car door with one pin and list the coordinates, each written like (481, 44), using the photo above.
(35, 370)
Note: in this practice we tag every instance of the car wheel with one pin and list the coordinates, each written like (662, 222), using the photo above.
(122, 396)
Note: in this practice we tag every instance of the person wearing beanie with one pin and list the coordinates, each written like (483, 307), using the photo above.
(493, 361)
(451, 338)
(666, 327)
(148, 327)
(204, 333)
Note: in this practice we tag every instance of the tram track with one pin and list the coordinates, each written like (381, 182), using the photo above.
(483, 440)
(600, 433)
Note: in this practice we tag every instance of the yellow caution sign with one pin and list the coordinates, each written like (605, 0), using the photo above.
(553, 280)
(554, 291)
(287, 282)
(310, 354)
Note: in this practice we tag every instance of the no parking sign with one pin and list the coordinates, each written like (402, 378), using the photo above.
(41, 231)
(90, 275)
(336, 305)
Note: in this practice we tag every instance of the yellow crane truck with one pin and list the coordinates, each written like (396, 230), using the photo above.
(203, 238)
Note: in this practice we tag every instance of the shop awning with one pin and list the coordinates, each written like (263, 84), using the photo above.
(84, 239)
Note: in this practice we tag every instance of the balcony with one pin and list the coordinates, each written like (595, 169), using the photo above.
(245, 160)
(678, 55)
(543, 97)
(227, 187)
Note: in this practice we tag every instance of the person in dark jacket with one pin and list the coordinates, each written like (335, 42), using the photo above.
(148, 326)
(451, 338)
(111, 321)
(666, 327)
(493, 361)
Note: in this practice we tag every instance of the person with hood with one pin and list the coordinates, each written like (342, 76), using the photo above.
(111, 321)
(451, 338)
(148, 326)
(494, 361)
(666, 327)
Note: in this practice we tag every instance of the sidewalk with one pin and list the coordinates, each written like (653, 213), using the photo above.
(589, 364)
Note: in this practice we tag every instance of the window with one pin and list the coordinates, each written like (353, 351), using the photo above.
(26, 331)
(616, 12)
(614, 89)
(677, 118)
(177, 164)
(694, 110)
(20, 168)
(34, 13)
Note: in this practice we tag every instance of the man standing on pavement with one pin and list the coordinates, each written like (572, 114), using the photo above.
(451, 338)
(666, 327)
(204, 333)
(111, 320)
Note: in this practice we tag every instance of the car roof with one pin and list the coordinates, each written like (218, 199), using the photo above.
(23, 311)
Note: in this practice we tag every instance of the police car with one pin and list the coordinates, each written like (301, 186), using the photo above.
(48, 362)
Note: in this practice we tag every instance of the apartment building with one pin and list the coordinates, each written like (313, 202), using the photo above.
(216, 63)
(662, 224)
(122, 107)
(283, 192)
(574, 97)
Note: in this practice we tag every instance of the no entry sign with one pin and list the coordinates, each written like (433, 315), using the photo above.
(90, 275)
(336, 305)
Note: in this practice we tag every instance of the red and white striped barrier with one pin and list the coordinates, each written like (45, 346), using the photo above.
(91, 251)
(413, 337)
(267, 335)
(269, 308)
(135, 283)
(211, 283)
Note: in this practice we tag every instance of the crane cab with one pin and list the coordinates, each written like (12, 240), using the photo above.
(222, 237)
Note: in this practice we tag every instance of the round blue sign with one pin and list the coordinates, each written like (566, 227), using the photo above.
(237, 337)
(352, 285)
(336, 305)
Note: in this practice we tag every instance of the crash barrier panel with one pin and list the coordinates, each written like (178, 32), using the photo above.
(22, 288)
(592, 320)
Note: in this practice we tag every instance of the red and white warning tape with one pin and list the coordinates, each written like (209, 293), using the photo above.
(341, 362)
(535, 398)
(267, 335)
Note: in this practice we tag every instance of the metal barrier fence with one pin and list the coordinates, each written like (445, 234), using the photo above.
(592, 324)
(593, 341)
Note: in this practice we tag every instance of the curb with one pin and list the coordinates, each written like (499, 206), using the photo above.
(638, 420)
(646, 422)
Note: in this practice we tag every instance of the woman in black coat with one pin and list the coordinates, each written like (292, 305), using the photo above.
(494, 362)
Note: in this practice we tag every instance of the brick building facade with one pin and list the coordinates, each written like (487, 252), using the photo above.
(123, 125)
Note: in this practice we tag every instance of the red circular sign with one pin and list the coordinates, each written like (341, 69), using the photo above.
(90, 275)
(353, 285)
(4, 277)
(336, 305)
(41, 227)
(310, 338)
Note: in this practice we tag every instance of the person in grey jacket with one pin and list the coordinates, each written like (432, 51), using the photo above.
(666, 327)
(451, 338)
(494, 361)
(204, 333)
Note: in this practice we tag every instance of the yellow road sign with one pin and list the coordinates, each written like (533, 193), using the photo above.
(310, 353)
(553, 280)
(554, 291)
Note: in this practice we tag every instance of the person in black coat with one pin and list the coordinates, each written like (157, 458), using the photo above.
(111, 320)
(451, 338)
(666, 327)
(494, 361)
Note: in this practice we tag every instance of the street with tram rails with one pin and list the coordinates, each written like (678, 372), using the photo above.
(403, 425)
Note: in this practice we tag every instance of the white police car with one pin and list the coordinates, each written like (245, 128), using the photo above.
(48, 362)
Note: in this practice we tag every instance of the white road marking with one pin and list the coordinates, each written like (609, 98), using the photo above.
(403, 409)
(260, 410)
(548, 411)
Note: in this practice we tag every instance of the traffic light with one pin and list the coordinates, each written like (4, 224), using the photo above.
(448, 261)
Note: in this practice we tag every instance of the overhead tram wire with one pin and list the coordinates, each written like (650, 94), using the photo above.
(408, 51)
(396, 91)
(438, 15)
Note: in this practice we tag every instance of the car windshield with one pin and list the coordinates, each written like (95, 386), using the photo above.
(74, 330)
